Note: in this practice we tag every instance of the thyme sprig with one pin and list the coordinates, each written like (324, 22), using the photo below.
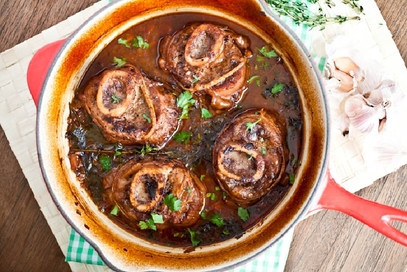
(300, 12)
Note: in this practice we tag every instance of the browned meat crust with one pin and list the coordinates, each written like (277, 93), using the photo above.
(131, 109)
(138, 188)
(249, 155)
(205, 58)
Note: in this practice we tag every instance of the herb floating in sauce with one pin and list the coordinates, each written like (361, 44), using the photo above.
(105, 161)
(217, 220)
(292, 178)
(182, 137)
(267, 52)
(195, 240)
(205, 114)
(184, 102)
(278, 87)
(253, 78)
(124, 42)
(150, 223)
(119, 62)
(115, 210)
(140, 42)
(137, 42)
(243, 213)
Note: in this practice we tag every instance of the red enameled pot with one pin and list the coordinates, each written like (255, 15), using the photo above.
(58, 67)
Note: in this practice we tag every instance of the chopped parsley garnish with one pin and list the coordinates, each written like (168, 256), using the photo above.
(147, 118)
(212, 196)
(140, 43)
(202, 177)
(203, 215)
(267, 52)
(119, 62)
(115, 210)
(291, 178)
(263, 151)
(124, 42)
(115, 99)
(217, 220)
(250, 125)
(278, 87)
(182, 137)
(205, 114)
(195, 240)
(195, 79)
(106, 162)
(172, 202)
(243, 214)
(150, 223)
(184, 102)
(252, 78)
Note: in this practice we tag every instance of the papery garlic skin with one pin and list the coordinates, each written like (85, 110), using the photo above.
(363, 90)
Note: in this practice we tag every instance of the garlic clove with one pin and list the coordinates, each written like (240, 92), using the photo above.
(361, 116)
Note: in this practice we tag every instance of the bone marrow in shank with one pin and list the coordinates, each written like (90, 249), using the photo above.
(208, 59)
(140, 188)
(249, 155)
(130, 108)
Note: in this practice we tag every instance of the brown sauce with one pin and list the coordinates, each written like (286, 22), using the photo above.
(87, 144)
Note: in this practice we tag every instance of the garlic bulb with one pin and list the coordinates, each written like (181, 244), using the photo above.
(362, 88)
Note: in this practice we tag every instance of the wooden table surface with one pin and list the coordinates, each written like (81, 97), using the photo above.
(327, 241)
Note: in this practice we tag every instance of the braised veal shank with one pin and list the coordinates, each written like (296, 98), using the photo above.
(131, 109)
(249, 155)
(206, 58)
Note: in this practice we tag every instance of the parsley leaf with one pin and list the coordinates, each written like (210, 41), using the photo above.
(150, 223)
(106, 162)
(291, 178)
(123, 42)
(140, 43)
(252, 78)
(115, 210)
(205, 114)
(195, 240)
(157, 218)
(184, 101)
(119, 62)
(268, 52)
(217, 220)
(250, 125)
(195, 79)
(182, 137)
(147, 118)
(278, 87)
(173, 203)
(243, 214)
(115, 99)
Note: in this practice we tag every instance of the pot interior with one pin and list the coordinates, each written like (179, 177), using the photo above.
(120, 249)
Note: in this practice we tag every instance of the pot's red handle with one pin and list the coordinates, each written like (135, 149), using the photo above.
(375, 215)
(39, 66)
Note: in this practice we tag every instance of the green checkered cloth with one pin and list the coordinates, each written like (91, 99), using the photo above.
(271, 260)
